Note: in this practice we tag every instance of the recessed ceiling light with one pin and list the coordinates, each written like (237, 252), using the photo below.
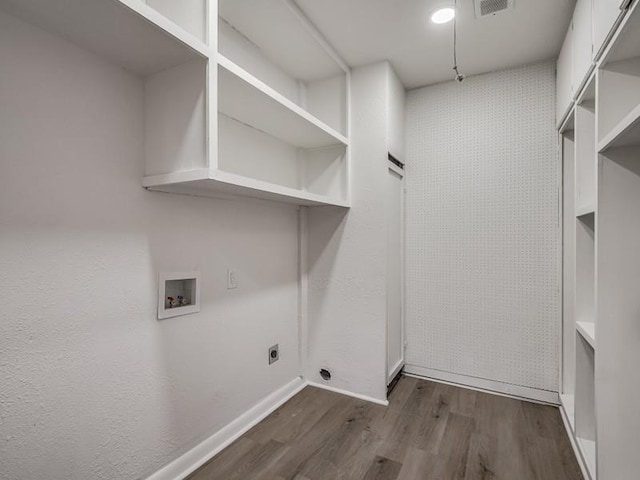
(443, 15)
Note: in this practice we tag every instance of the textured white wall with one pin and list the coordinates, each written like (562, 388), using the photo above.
(396, 107)
(347, 255)
(92, 386)
(483, 240)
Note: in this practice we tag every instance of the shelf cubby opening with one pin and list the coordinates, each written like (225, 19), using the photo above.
(585, 174)
(245, 151)
(619, 104)
(175, 119)
(250, 101)
(585, 269)
(625, 44)
(270, 40)
(587, 97)
(585, 420)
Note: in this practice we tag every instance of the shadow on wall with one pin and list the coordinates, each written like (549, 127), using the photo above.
(327, 226)
(326, 229)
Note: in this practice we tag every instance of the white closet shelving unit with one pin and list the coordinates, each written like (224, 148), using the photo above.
(578, 395)
(242, 97)
(276, 116)
(599, 118)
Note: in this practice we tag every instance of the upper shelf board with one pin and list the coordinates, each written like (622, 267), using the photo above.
(285, 38)
(587, 96)
(216, 183)
(624, 134)
(252, 102)
(127, 32)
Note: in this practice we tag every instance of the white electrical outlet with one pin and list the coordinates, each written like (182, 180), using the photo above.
(232, 279)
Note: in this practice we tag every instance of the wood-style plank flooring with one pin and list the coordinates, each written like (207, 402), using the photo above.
(428, 431)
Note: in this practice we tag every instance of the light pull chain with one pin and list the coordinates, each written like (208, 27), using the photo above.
(459, 76)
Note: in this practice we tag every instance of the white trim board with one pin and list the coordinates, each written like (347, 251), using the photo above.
(208, 448)
(366, 398)
(491, 386)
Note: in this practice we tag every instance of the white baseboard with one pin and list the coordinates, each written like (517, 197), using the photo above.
(491, 386)
(350, 394)
(204, 451)
(574, 444)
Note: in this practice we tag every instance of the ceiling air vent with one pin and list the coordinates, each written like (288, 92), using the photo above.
(491, 7)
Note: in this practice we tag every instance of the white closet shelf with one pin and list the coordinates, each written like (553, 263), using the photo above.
(624, 134)
(569, 404)
(216, 183)
(127, 32)
(248, 100)
(583, 210)
(588, 331)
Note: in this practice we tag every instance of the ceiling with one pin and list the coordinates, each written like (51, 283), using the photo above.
(367, 31)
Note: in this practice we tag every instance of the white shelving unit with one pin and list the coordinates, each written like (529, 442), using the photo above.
(592, 26)
(251, 102)
(578, 137)
(601, 156)
(568, 369)
(282, 108)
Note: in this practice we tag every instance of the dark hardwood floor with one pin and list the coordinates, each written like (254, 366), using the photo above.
(428, 431)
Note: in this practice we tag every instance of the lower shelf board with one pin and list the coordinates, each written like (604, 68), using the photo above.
(588, 332)
(216, 183)
(588, 450)
(625, 134)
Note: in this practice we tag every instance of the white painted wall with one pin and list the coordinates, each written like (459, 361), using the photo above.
(396, 101)
(93, 386)
(347, 252)
(483, 238)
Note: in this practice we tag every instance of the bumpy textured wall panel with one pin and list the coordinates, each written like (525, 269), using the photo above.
(483, 232)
